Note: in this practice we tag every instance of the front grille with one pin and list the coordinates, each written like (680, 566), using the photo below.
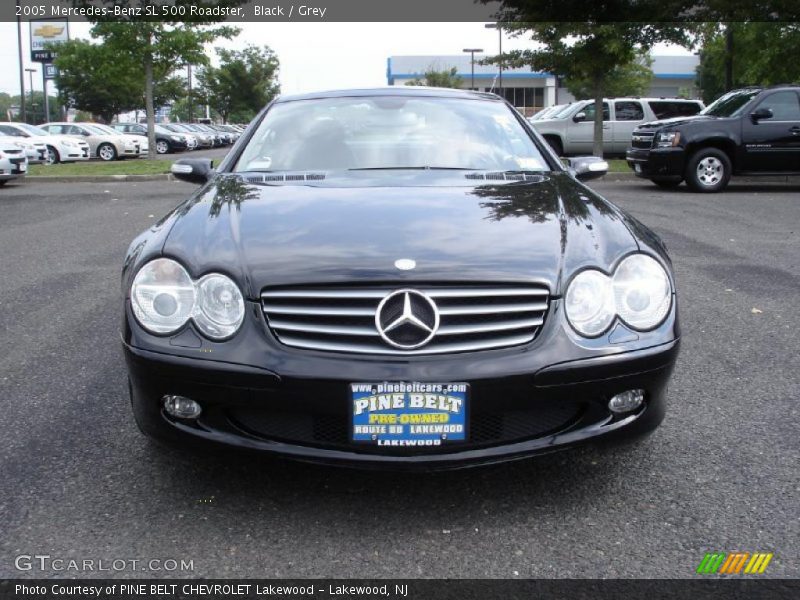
(342, 319)
(486, 428)
(642, 139)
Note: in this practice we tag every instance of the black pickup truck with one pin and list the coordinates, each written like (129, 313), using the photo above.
(751, 131)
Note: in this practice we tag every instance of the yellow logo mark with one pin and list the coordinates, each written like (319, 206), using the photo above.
(48, 31)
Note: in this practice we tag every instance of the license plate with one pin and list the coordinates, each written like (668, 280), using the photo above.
(22, 167)
(637, 168)
(409, 414)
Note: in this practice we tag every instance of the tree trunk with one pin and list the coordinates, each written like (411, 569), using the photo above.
(148, 103)
(597, 147)
(729, 57)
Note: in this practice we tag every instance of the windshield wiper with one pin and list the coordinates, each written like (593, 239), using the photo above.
(419, 168)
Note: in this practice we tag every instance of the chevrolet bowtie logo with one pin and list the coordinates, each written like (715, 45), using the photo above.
(407, 319)
(48, 31)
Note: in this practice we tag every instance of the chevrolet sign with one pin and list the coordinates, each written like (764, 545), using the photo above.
(44, 33)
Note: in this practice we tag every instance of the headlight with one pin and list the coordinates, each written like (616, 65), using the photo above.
(164, 298)
(220, 306)
(639, 293)
(175, 138)
(642, 292)
(69, 144)
(668, 139)
(590, 303)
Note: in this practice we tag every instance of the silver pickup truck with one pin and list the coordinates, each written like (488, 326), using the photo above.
(571, 130)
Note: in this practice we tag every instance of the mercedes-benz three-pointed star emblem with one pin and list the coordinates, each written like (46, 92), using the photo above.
(407, 319)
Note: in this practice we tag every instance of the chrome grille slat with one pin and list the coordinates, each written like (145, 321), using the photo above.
(342, 319)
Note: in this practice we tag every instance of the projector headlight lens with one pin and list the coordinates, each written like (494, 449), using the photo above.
(162, 296)
(589, 303)
(642, 292)
(220, 306)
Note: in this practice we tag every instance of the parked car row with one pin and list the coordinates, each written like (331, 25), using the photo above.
(178, 137)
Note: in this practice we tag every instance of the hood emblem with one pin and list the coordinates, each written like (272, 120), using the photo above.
(407, 319)
(405, 264)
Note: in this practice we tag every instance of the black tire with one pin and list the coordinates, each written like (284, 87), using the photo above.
(53, 156)
(556, 145)
(3, 182)
(162, 147)
(107, 152)
(668, 183)
(708, 171)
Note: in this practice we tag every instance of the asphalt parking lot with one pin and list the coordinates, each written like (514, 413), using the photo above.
(720, 474)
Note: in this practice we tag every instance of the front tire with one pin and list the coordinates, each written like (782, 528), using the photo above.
(162, 147)
(708, 171)
(53, 157)
(106, 152)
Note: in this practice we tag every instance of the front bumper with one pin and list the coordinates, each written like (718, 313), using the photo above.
(662, 163)
(523, 401)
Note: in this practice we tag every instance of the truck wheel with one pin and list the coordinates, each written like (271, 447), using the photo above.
(668, 183)
(708, 170)
(556, 145)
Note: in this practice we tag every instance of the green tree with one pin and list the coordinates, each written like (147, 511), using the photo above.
(754, 62)
(439, 78)
(244, 82)
(631, 79)
(91, 78)
(590, 50)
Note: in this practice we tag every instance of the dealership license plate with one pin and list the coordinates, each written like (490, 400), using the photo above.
(409, 414)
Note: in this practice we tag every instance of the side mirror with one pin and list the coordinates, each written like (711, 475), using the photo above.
(587, 167)
(761, 113)
(193, 170)
(579, 116)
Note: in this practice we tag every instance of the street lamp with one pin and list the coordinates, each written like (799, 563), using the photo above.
(472, 52)
(500, 63)
(31, 72)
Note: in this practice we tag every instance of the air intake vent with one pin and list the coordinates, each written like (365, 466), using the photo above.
(342, 319)
(502, 176)
(272, 178)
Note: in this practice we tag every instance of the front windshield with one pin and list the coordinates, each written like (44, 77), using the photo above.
(390, 132)
(96, 130)
(730, 104)
(563, 112)
(31, 129)
(104, 129)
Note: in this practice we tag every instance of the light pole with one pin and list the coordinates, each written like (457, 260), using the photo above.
(23, 116)
(472, 52)
(500, 42)
(30, 73)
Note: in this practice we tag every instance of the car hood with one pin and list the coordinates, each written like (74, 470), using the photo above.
(674, 122)
(269, 235)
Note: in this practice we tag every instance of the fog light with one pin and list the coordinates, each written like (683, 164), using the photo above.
(626, 401)
(182, 407)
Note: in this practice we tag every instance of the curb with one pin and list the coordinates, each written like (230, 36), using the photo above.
(99, 178)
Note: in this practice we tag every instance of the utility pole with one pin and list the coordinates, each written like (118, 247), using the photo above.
(729, 57)
(191, 100)
(23, 114)
(30, 73)
(472, 52)
(500, 44)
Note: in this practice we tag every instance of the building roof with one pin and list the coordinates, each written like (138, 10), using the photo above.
(408, 67)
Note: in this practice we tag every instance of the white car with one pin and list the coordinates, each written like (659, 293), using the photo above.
(144, 144)
(571, 130)
(36, 153)
(60, 148)
(13, 162)
(103, 145)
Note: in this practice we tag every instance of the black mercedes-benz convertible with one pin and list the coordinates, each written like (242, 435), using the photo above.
(402, 277)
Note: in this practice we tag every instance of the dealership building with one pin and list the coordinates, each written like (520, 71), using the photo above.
(531, 91)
